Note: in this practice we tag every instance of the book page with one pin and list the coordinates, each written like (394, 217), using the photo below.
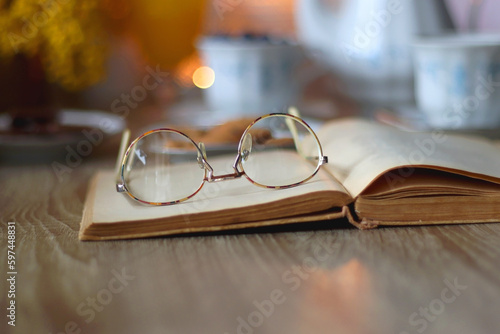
(427, 182)
(359, 151)
(110, 206)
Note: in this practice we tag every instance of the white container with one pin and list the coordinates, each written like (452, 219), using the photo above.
(367, 43)
(252, 77)
(457, 81)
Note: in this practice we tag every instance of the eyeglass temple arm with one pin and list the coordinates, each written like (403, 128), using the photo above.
(293, 129)
(121, 153)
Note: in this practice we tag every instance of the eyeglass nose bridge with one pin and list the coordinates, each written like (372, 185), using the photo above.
(210, 177)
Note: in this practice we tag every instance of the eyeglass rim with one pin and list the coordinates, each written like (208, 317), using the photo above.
(301, 121)
(208, 168)
(122, 168)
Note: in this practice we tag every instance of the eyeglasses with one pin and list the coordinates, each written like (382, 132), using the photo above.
(165, 166)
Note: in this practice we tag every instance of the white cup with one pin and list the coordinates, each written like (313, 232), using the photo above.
(252, 77)
(457, 80)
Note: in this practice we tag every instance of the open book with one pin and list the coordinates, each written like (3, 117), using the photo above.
(376, 175)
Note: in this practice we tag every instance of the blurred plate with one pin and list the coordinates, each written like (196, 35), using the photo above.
(410, 119)
(73, 123)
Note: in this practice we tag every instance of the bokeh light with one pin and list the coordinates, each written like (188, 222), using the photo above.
(203, 77)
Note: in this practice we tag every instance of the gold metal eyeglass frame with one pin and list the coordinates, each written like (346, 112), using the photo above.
(209, 176)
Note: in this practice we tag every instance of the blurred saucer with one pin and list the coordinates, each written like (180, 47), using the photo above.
(409, 118)
(73, 123)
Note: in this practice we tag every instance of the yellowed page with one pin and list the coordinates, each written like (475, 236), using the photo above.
(110, 206)
(359, 151)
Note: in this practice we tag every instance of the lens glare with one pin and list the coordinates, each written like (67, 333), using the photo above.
(154, 164)
(279, 151)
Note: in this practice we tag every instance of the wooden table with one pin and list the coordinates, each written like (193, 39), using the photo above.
(324, 278)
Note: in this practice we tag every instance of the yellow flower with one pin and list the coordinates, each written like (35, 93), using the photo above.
(65, 34)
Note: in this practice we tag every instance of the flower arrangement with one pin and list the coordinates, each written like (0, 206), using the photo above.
(65, 35)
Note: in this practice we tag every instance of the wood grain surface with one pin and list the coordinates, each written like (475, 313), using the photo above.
(317, 278)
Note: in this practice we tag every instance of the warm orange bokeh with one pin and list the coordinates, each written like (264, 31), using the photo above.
(165, 30)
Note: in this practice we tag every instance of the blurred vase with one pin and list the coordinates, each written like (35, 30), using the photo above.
(165, 30)
(27, 96)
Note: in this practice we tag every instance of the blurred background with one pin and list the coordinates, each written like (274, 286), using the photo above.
(151, 61)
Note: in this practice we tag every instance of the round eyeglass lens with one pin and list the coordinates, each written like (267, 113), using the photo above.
(163, 167)
(279, 151)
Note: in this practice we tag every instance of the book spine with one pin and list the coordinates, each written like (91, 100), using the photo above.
(363, 223)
